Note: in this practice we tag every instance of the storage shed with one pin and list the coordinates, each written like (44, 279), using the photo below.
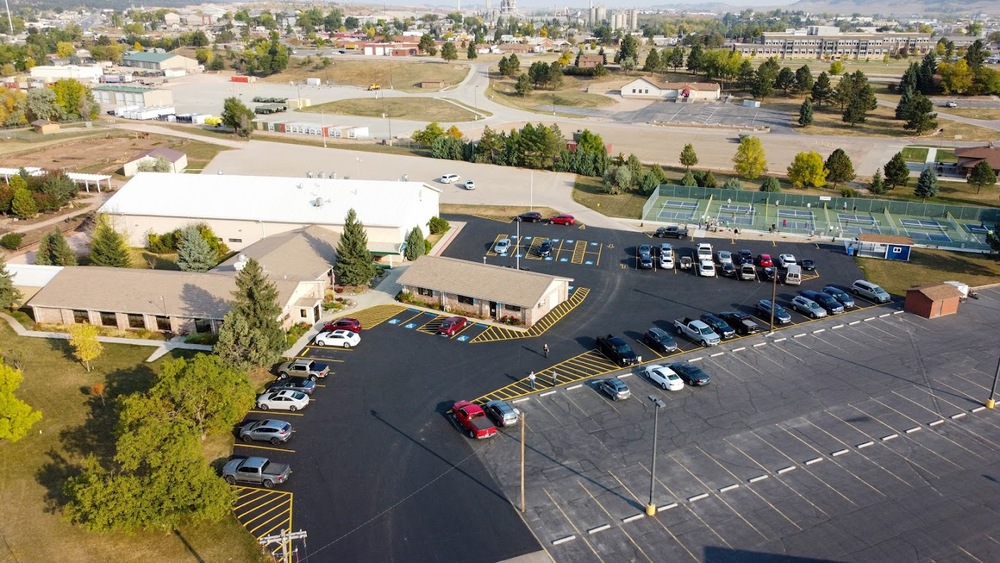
(888, 247)
(44, 126)
(932, 301)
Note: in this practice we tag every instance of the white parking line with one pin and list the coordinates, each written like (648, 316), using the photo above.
(835, 327)
(698, 359)
(698, 497)
(717, 354)
(852, 323)
(899, 312)
(780, 340)
(977, 409)
(516, 401)
(819, 331)
(866, 444)
(936, 422)
(959, 415)
(912, 430)
(633, 518)
(840, 452)
(668, 506)
(784, 470)
(547, 393)
(729, 488)
(757, 478)
(799, 335)
(599, 529)
(572, 387)
(882, 316)
(890, 437)
(740, 349)
(564, 540)
(869, 319)
(814, 460)
(758, 345)
(624, 375)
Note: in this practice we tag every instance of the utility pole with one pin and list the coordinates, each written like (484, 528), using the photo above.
(524, 507)
(285, 539)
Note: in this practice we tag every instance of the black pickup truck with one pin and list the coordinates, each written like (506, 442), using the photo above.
(671, 232)
(617, 350)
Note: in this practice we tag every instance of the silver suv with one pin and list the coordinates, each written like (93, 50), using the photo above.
(808, 307)
(870, 291)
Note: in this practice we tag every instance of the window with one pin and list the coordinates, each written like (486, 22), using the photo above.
(109, 319)
(466, 300)
(303, 313)
(235, 240)
(512, 308)
(163, 323)
(81, 317)
(136, 321)
(896, 250)
(425, 292)
(202, 326)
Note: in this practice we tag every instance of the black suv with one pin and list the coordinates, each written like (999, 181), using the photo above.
(718, 325)
(671, 232)
(530, 217)
(690, 373)
(617, 350)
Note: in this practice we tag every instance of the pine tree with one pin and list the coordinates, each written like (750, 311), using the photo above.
(10, 296)
(54, 250)
(822, 90)
(877, 185)
(920, 116)
(688, 179)
(905, 100)
(23, 205)
(839, 167)
(415, 244)
(806, 113)
(927, 184)
(251, 333)
(471, 52)
(896, 171)
(652, 61)
(354, 263)
(688, 156)
(108, 247)
(193, 252)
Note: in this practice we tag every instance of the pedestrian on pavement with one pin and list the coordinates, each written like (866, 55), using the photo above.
(545, 348)
(531, 380)
(555, 378)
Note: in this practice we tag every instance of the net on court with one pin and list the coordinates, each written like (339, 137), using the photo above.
(796, 219)
(739, 215)
(925, 230)
(854, 224)
(678, 210)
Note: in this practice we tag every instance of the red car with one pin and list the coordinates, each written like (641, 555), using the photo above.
(451, 325)
(562, 220)
(353, 325)
(764, 261)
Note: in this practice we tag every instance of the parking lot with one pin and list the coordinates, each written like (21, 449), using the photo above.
(708, 114)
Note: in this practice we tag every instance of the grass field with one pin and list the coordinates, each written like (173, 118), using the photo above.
(589, 192)
(505, 213)
(33, 470)
(572, 93)
(405, 76)
(931, 266)
(413, 109)
(914, 154)
(974, 113)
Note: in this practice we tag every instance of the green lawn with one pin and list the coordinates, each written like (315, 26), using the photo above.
(915, 154)
(930, 266)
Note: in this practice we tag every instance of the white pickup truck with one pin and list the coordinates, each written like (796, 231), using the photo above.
(697, 331)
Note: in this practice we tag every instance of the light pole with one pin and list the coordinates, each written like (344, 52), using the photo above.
(990, 403)
(651, 508)
(774, 296)
(475, 101)
(524, 507)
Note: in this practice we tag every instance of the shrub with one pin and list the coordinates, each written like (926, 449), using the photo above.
(848, 192)
(295, 332)
(438, 225)
(11, 241)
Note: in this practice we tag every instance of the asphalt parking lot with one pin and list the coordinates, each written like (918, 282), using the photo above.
(708, 114)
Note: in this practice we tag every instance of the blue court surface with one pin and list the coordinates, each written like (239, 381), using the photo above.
(922, 224)
(674, 209)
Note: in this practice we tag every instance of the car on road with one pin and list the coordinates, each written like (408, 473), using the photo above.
(545, 249)
(704, 251)
(786, 260)
(724, 257)
(353, 325)
(449, 178)
(671, 232)
(706, 269)
(469, 185)
(501, 413)
(659, 340)
(718, 325)
(286, 400)
(664, 377)
(741, 322)
(870, 291)
(824, 300)
(299, 384)
(451, 325)
(808, 307)
(338, 339)
(614, 388)
(781, 316)
(840, 295)
(530, 217)
(745, 256)
(808, 265)
(562, 220)
(502, 246)
(690, 373)
(309, 369)
(764, 261)
(951, 104)
(270, 430)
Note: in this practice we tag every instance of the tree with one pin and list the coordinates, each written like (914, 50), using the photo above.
(763, 83)
(471, 53)
(251, 333)
(976, 54)
(688, 156)
(919, 114)
(193, 252)
(449, 52)
(925, 76)
(204, 392)
(694, 58)
(429, 134)
(803, 79)
(906, 96)
(523, 86)
(836, 68)
(237, 117)
(159, 164)
(16, 416)
(982, 175)
(877, 185)
(822, 90)
(806, 113)
(770, 184)
(107, 246)
(785, 80)
(23, 205)
(75, 99)
(53, 250)
(41, 104)
(957, 77)
(354, 263)
(86, 346)
(689, 179)
(839, 167)
(896, 171)
(415, 247)
(652, 63)
(10, 296)
(857, 98)
(628, 49)
(749, 161)
(927, 184)
(426, 44)
(807, 170)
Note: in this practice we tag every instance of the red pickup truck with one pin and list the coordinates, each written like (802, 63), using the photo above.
(473, 419)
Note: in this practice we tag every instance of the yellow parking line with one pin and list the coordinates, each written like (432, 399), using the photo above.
(256, 447)
(403, 323)
(579, 251)
(270, 520)
(598, 261)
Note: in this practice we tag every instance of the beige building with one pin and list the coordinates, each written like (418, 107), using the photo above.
(647, 88)
(821, 44)
(159, 61)
(484, 290)
(178, 161)
(117, 95)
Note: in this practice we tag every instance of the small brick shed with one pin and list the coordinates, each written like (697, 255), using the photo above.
(933, 300)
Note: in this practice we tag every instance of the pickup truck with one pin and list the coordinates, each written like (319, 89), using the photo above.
(617, 350)
(697, 331)
(255, 470)
(473, 419)
(671, 232)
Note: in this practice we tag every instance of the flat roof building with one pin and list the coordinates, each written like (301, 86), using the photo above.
(818, 43)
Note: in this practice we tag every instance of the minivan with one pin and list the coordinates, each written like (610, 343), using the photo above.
(870, 291)
(793, 275)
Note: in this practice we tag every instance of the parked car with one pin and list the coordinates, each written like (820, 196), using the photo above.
(666, 256)
(562, 220)
(704, 251)
(255, 470)
(469, 185)
(309, 369)
(746, 256)
(728, 269)
(741, 322)
(501, 413)
(824, 300)
(870, 291)
(545, 249)
(706, 268)
(449, 178)
(685, 263)
(718, 325)
(338, 338)
(671, 232)
(286, 400)
(617, 350)
(840, 295)
(768, 273)
(502, 246)
(724, 257)
(748, 272)
(645, 262)
(664, 377)
(614, 388)
(764, 261)
(347, 323)
(299, 384)
(270, 430)
(808, 307)
(808, 265)
(690, 373)
(645, 249)
(473, 420)
(452, 325)
(659, 340)
(781, 316)
(530, 217)
(785, 260)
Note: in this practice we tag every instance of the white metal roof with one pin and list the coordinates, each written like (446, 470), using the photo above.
(31, 275)
(318, 201)
(84, 177)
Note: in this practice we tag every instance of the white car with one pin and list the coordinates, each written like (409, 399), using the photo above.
(666, 256)
(952, 104)
(664, 377)
(286, 400)
(469, 185)
(449, 178)
(339, 338)
(502, 246)
(704, 251)
(706, 268)
(786, 260)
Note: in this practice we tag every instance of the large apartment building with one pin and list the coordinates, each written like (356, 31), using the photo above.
(828, 43)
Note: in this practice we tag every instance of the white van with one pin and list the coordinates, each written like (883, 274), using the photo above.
(793, 275)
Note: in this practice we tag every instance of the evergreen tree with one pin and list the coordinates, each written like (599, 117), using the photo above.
(804, 79)
(695, 58)
(54, 250)
(193, 252)
(982, 175)
(896, 171)
(449, 52)
(928, 68)
(806, 113)
(905, 99)
(354, 263)
(770, 184)
(920, 116)
(927, 184)
(23, 205)
(523, 86)
(415, 244)
(822, 90)
(688, 157)
(108, 247)
(688, 179)
(652, 61)
(10, 296)
(839, 167)
(251, 333)
(785, 80)
(877, 185)
(763, 83)
(910, 78)
(471, 52)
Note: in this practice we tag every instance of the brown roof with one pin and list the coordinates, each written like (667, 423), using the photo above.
(885, 239)
(170, 155)
(592, 57)
(990, 154)
(480, 281)
(153, 292)
(302, 254)
(938, 291)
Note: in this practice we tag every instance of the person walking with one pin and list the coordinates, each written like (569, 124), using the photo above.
(555, 378)
(545, 348)
(531, 380)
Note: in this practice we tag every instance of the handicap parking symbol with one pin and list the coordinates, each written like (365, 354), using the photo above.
(394, 321)
(589, 262)
(462, 338)
(564, 259)
(410, 325)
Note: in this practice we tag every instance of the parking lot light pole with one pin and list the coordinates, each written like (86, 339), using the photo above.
(651, 508)
(524, 507)
(774, 296)
(990, 403)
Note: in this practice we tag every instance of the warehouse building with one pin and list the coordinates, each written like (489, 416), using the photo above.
(159, 61)
(117, 95)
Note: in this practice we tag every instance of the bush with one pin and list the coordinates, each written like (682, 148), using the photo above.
(428, 245)
(11, 241)
(706, 179)
(848, 192)
(296, 332)
(732, 184)
(438, 225)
